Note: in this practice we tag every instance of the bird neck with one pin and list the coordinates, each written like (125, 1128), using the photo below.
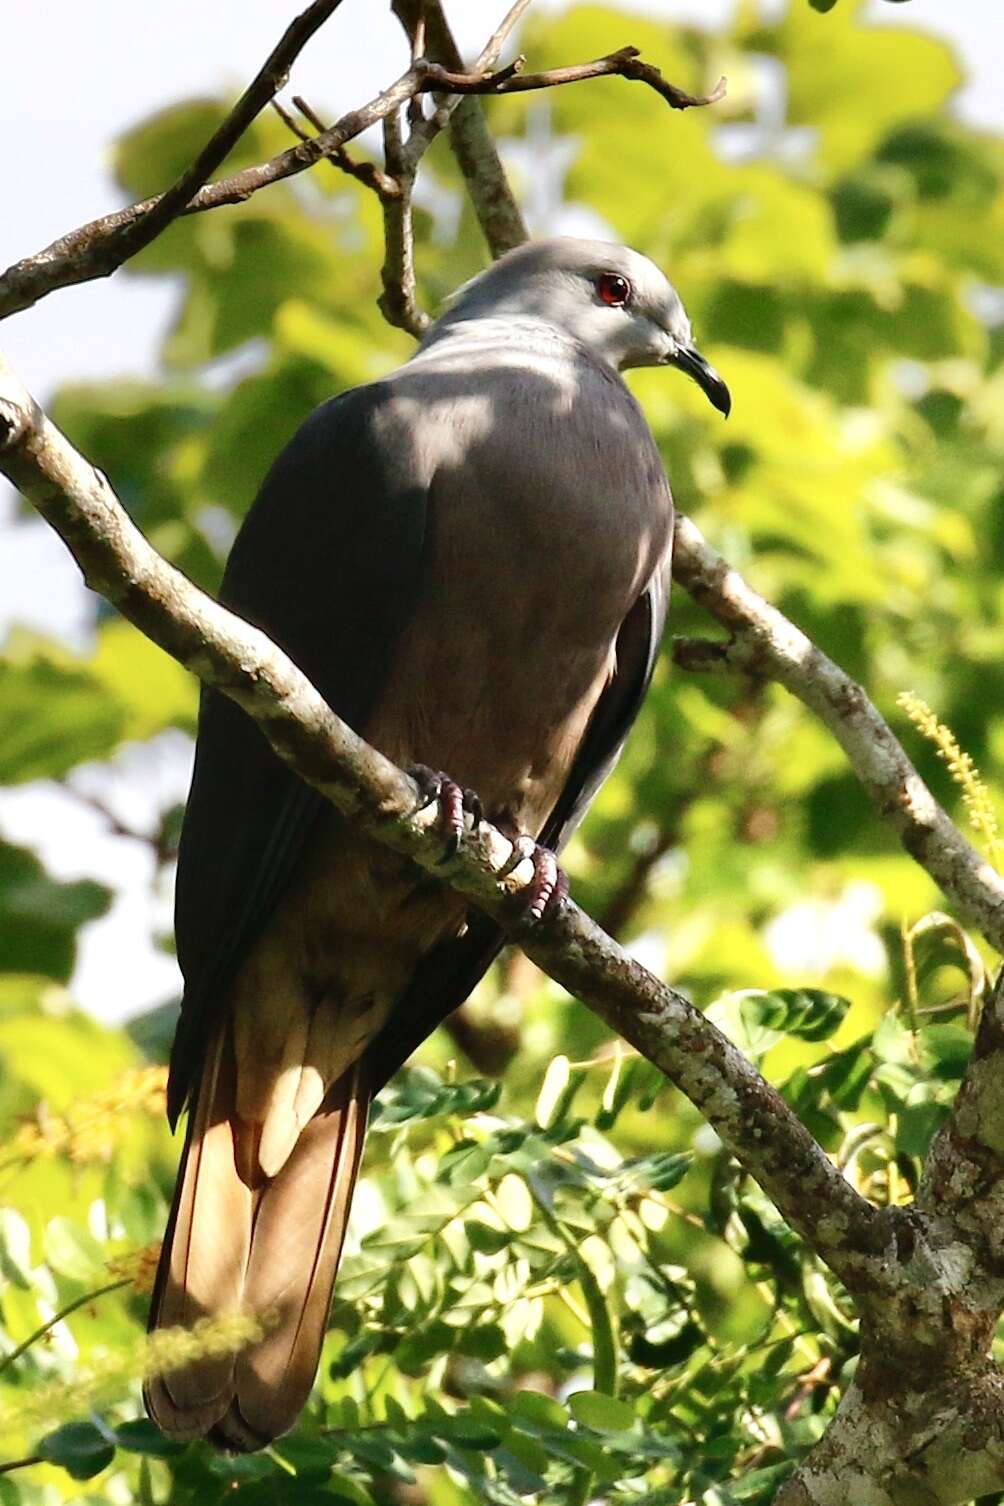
(468, 337)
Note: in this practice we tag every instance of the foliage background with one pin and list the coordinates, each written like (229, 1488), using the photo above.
(576, 1230)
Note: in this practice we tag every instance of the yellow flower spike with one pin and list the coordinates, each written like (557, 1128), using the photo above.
(91, 1129)
(137, 1266)
(153, 1354)
(975, 795)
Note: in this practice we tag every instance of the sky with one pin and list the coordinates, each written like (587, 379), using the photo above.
(78, 85)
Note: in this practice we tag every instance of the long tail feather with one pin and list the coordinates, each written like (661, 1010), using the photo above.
(295, 1248)
(270, 1249)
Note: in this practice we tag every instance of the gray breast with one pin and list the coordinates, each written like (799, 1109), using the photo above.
(549, 514)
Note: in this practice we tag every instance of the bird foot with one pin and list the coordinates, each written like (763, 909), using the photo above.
(455, 804)
(547, 890)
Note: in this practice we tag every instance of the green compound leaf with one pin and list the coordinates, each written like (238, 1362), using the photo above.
(82, 1449)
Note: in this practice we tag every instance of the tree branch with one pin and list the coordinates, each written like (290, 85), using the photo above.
(366, 173)
(97, 245)
(763, 642)
(240, 661)
(399, 300)
(393, 187)
(471, 142)
(625, 63)
(99, 248)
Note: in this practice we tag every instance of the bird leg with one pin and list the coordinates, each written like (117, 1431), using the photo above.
(549, 887)
(455, 804)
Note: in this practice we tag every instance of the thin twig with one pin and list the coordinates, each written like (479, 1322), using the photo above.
(624, 63)
(623, 903)
(398, 300)
(366, 173)
(492, 50)
(58, 1317)
(12, 1464)
(74, 257)
(97, 249)
(417, 43)
(471, 142)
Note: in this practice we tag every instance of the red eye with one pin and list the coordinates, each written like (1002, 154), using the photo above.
(613, 289)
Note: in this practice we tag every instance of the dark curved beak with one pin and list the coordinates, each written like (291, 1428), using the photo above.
(693, 363)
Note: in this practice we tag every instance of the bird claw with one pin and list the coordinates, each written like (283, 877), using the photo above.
(547, 890)
(455, 804)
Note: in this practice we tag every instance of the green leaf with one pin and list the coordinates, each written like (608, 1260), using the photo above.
(72, 1250)
(141, 1436)
(56, 715)
(483, 1237)
(417, 1448)
(902, 74)
(534, 1406)
(423, 1344)
(810, 1014)
(467, 1432)
(39, 917)
(150, 688)
(346, 1488)
(552, 1090)
(484, 1341)
(15, 1248)
(893, 1042)
(81, 1448)
(945, 1050)
(759, 1485)
(606, 1414)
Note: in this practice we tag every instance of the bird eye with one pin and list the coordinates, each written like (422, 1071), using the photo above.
(614, 289)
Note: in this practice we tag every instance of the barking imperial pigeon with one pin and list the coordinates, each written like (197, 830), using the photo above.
(470, 560)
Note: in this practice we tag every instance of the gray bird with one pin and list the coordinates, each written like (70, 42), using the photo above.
(470, 559)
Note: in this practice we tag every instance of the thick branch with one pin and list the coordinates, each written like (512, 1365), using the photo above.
(921, 1421)
(937, 1446)
(241, 662)
(964, 1175)
(763, 642)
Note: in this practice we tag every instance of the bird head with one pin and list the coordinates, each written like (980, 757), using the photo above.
(609, 298)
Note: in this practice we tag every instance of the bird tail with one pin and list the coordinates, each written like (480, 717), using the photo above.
(240, 1242)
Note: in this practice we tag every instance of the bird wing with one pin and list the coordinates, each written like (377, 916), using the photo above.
(450, 970)
(328, 563)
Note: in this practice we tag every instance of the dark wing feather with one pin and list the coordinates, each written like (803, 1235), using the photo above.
(327, 562)
(449, 972)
